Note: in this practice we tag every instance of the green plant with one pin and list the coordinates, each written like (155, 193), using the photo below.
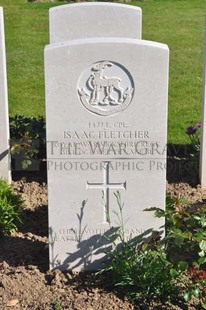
(148, 267)
(185, 244)
(140, 268)
(57, 304)
(143, 272)
(10, 208)
(27, 139)
(185, 231)
(196, 286)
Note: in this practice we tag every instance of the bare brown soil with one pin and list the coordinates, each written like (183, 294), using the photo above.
(26, 283)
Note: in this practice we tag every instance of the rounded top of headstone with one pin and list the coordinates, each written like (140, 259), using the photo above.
(89, 20)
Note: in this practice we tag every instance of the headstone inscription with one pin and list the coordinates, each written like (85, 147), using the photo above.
(4, 119)
(90, 20)
(203, 131)
(106, 109)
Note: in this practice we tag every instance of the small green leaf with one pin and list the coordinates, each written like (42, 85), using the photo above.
(202, 245)
(159, 213)
(186, 213)
(201, 254)
(195, 291)
(202, 260)
(174, 272)
(197, 217)
(200, 234)
(203, 223)
(187, 296)
(183, 265)
(26, 163)
(187, 235)
(179, 240)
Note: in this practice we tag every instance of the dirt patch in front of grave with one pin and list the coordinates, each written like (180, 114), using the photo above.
(26, 283)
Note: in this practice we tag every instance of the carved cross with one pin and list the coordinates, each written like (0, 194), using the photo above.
(106, 186)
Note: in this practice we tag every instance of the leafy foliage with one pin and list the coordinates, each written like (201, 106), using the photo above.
(185, 231)
(10, 208)
(185, 245)
(142, 272)
(28, 140)
(57, 304)
(168, 268)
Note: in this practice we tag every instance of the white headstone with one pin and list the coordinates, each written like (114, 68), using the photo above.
(90, 20)
(106, 109)
(4, 119)
(202, 166)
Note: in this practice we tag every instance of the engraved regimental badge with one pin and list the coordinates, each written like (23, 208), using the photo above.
(105, 88)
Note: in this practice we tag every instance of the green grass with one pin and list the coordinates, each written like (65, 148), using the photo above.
(178, 23)
(26, 29)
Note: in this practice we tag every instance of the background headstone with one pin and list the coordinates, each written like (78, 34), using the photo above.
(202, 168)
(90, 20)
(5, 171)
